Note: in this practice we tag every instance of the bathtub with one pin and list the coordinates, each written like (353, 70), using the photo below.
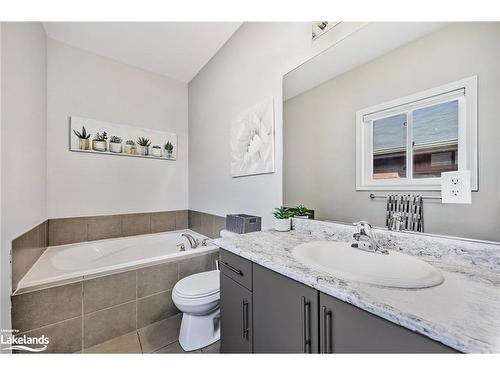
(64, 264)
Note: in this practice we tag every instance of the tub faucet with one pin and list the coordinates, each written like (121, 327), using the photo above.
(193, 242)
(365, 239)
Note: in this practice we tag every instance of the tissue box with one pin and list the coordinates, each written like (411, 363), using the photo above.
(241, 223)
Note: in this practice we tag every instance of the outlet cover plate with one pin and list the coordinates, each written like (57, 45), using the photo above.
(456, 187)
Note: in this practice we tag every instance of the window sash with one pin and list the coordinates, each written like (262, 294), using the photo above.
(408, 111)
(414, 105)
(466, 92)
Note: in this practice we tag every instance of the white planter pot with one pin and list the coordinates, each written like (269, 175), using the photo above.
(130, 149)
(301, 217)
(282, 225)
(99, 145)
(156, 152)
(143, 150)
(115, 147)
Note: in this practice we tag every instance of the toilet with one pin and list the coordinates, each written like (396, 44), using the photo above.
(197, 296)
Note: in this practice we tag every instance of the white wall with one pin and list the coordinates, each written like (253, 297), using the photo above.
(23, 139)
(247, 69)
(87, 85)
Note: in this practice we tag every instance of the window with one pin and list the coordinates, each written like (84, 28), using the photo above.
(407, 143)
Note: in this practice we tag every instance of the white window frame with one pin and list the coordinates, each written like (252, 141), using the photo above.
(464, 90)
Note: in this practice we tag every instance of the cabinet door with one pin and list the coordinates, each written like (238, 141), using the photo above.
(285, 314)
(345, 328)
(236, 317)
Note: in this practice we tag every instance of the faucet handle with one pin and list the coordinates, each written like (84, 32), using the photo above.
(181, 247)
(362, 223)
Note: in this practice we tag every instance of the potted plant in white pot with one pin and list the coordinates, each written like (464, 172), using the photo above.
(83, 138)
(282, 221)
(302, 212)
(169, 149)
(115, 144)
(129, 147)
(156, 151)
(143, 146)
(99, 142)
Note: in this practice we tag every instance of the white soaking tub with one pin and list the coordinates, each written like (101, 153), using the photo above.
(73, 262)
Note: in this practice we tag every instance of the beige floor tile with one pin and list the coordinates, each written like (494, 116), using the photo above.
(160, 334)
(128, 343)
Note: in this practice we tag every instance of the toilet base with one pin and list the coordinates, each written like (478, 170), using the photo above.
(199, 331)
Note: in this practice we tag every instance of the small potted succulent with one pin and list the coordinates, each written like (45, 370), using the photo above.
(99, 142)
(83, 138)
(301, 211)
(282, 222)
(156, 151)
(143, 146)
(169, 149)
(115, 144)
(130, 147)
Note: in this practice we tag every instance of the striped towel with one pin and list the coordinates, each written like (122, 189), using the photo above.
(411, 208)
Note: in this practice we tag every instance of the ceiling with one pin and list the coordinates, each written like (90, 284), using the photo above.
(371, 41)
(175, 49)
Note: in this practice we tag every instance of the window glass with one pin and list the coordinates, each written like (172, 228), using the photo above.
(435, 140)
(389, 147)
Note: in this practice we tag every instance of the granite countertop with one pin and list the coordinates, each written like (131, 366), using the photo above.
(463, 312)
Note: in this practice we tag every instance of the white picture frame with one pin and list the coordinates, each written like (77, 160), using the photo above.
(252, 140)
(125, 132)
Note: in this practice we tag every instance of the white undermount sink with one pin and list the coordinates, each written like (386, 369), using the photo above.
(343, 261)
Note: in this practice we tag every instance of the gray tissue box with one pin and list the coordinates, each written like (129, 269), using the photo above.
(241, 223)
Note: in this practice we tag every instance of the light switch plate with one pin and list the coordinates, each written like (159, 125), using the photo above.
(456, 187)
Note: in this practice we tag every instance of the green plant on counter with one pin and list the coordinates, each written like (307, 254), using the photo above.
(101, 137)
(169, 147)
(130, 142)
(82, 134)
(115, 139)
(301, 210)
(145, 142)
(282, 213)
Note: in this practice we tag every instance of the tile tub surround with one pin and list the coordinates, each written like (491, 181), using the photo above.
(84, 314)
(90, 228)
(26, 249)
(463, 312)
(206, 224)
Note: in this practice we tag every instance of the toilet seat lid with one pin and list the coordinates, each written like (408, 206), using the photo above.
(198, 285)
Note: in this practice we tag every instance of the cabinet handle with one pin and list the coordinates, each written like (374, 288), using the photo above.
(322, 325)
(306, 323)
(326, 331)
(244, 310)
(231, 268)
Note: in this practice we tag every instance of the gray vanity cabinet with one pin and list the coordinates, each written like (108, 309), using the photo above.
(345, 328)
(236, 317)
(265, 312)
(285, 318)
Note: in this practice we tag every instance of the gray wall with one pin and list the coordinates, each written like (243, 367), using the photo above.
(319, 130)
(84, 84)
(246, 70)
(23, 149)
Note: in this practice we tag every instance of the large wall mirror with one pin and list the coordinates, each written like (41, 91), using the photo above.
(386, 111)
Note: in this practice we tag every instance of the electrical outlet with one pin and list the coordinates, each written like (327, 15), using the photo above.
(456, 187)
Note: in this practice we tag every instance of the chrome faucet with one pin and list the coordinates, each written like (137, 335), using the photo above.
(193, 242)
(365, 239)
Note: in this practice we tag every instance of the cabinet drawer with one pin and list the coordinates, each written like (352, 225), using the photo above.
(237, 268)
